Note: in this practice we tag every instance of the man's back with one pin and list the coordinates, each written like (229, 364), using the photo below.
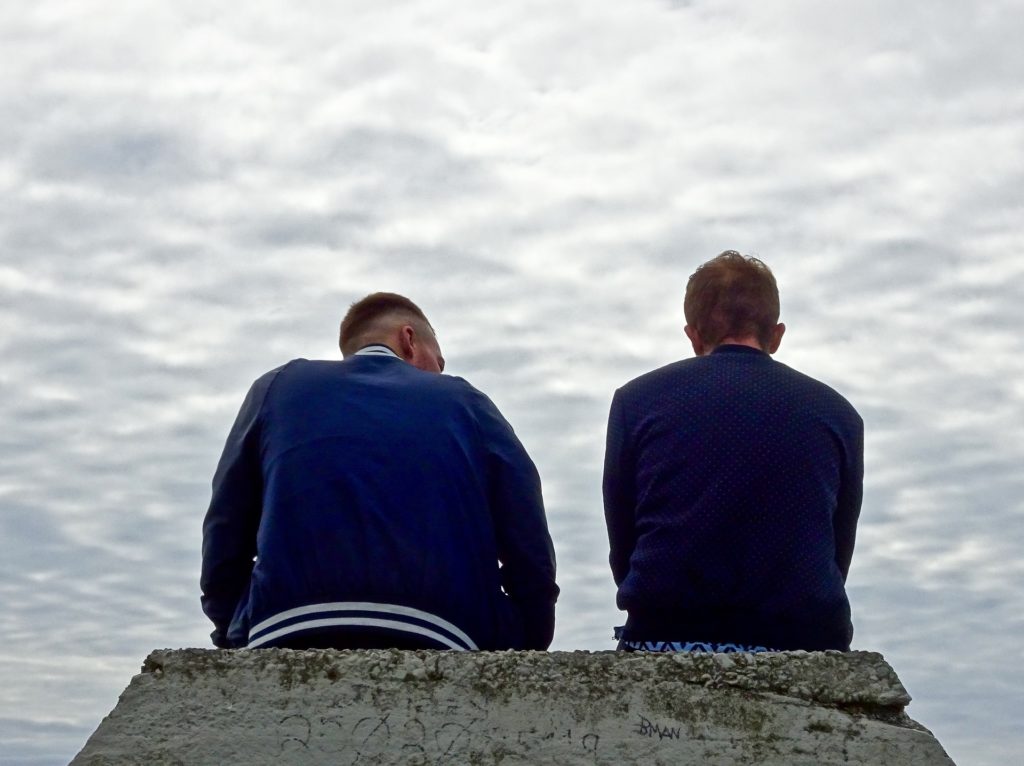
(377, 500)
(732, 487)
(400, 511)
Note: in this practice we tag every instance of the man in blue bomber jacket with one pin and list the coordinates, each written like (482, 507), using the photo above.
(732, 485)
(373, 502)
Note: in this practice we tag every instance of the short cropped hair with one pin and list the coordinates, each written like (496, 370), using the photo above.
(364, 314)
(732, 296)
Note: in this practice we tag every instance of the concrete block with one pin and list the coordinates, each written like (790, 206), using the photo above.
(281, 707)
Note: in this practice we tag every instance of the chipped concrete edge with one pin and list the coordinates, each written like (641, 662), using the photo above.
(862, 681)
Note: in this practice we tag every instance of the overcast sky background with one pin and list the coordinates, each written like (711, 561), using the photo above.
(191, 196)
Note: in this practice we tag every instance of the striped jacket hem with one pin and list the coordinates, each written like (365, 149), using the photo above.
(391, 617)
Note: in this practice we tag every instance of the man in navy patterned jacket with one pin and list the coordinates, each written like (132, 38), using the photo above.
(373, 502)
(732, 485)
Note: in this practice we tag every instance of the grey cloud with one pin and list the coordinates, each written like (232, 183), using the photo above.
(284, 229)
(142, 157)
(385, 164)
(33, 743)
(450, 266)
(31, 239)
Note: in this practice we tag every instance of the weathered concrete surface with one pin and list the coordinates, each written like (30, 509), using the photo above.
(269, 706)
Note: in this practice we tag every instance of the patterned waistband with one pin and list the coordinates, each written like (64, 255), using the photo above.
(712, 647)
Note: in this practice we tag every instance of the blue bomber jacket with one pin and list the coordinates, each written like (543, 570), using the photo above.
(369, 495)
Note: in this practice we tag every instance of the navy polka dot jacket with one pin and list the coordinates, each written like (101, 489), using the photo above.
(732, 488)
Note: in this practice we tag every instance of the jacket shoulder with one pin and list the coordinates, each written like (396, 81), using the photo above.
(821, 391)
(668, 374)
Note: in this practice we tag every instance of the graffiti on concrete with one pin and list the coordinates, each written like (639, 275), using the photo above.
(365, 737)
(645, 727)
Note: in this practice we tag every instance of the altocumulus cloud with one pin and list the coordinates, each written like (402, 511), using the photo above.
(191, 197)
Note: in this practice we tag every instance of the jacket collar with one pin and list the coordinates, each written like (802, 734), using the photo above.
(737, 348)
(376, 349)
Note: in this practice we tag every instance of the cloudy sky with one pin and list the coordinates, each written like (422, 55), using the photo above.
(191, 196)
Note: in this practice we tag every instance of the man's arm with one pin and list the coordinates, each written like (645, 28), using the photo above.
(229, 529)
(619, 493)
(851, 492)
(524, 544)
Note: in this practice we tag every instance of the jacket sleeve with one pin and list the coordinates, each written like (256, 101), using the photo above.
(229, 529)
(851, 492)
(525, 551)
(619, 493)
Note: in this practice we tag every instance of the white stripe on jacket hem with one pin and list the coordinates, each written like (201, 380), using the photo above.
(388, 610)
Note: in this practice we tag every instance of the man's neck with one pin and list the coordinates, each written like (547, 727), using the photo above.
(750, 341)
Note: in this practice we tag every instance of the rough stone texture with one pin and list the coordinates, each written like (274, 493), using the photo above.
(275, 706)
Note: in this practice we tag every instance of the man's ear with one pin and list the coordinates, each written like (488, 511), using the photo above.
(406, 342)
(777, 332)
(695, 340)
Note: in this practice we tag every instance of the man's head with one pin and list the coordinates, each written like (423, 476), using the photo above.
(733, 299)
(396, 322)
